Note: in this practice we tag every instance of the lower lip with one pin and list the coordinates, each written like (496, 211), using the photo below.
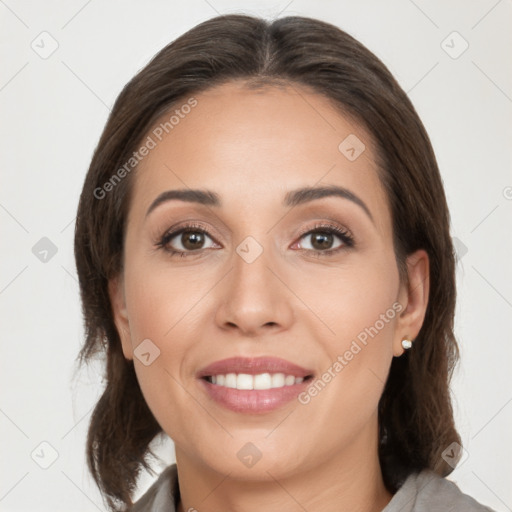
(254, 401)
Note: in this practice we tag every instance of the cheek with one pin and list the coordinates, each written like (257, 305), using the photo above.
(350, 297)
(160, 301)
(164, 307)
(357, 306)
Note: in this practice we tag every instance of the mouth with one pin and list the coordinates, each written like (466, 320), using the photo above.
(254, 385)
(254, 373)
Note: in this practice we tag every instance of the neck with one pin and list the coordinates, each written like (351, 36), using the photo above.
(350, 480)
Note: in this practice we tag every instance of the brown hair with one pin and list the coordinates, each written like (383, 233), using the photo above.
(415, 414)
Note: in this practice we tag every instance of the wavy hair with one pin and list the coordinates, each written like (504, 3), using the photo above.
(415, 412)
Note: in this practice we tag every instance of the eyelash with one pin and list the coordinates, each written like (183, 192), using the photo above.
(344, 235)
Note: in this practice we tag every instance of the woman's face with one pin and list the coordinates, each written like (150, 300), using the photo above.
(264, 272)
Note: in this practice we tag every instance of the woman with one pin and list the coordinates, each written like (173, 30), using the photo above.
(264, 256)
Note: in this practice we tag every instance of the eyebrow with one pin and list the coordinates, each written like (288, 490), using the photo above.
(292, 198)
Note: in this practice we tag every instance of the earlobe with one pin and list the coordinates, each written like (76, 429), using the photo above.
(414, 297)
(118, 302)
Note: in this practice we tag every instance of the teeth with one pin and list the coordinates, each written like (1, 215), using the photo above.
(244, 381)
(260, 381)
(278, 380)
(230, 381)
(289, 380)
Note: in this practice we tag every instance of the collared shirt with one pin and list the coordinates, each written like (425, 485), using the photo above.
(421, 492)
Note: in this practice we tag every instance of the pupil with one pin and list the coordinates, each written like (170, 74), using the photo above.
(192, 240)
(324, 239)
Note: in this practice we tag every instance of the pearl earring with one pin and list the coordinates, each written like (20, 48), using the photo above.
(407, 344)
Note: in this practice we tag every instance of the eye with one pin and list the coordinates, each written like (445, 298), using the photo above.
(322, 240)
(185, 240)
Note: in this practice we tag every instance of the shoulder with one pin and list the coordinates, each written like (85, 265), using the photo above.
(162, 495)
(427, 491)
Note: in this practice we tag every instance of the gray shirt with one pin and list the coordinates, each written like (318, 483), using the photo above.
(421, 492)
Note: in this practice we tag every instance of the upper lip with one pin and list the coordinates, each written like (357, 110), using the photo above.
(253, 366)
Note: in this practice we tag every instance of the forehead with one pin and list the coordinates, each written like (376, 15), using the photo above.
(252, 145)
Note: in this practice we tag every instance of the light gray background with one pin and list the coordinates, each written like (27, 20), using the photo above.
(53, 111)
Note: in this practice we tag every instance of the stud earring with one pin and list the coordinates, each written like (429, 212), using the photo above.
(407, 344)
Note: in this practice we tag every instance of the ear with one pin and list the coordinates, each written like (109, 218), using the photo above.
(413, 296)
(118, 302)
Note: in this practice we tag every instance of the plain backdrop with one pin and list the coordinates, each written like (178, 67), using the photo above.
(62, 66)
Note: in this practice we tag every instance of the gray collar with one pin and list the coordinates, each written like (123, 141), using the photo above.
(163, 495)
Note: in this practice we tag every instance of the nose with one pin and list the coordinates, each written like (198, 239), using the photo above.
(254, 298)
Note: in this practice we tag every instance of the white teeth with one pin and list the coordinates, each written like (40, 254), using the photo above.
(289, 380)
(278, 380)
(230, 381)
(245, 381)
(262, 381)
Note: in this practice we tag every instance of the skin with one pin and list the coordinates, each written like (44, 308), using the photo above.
(251, 147)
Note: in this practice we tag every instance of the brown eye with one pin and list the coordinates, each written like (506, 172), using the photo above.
(186, 241)
(321, 240)
(192, 240)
